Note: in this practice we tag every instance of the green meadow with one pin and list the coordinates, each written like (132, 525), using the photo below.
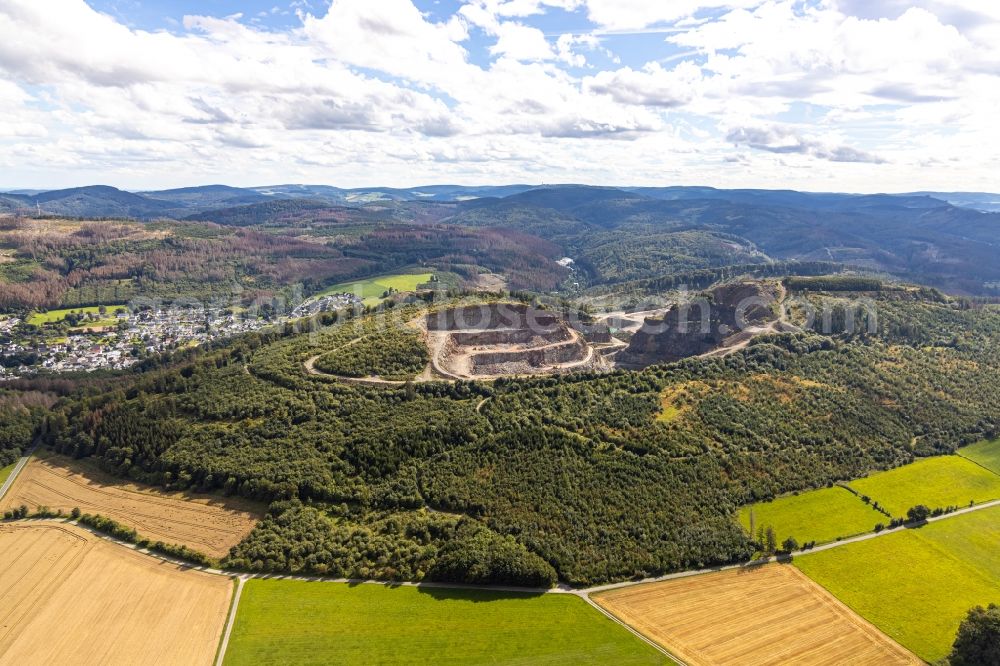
(54, 316)
(826, 514)
(934, 482)
(918, 584)
(370, 291)
(818, 515)
(5, 473)
(985, 453)
(298, 622)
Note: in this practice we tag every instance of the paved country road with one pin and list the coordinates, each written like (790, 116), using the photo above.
(798, 553)
(22, 461)
(230, 621)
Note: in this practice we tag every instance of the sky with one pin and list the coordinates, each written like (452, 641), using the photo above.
(822, 95)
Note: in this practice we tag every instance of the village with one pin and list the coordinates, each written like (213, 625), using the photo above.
(85, 342)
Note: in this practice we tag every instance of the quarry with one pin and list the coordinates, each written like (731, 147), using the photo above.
(502, 339)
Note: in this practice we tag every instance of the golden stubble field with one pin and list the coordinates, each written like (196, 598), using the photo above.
(70, 597)
(771, 614)
(207, 524)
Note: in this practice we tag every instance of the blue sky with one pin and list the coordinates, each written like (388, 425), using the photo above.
(849, 95)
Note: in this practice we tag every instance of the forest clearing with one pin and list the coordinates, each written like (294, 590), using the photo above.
(818, 515)
(208, 524)
(72, 597)
(770, 614)
(372, 290)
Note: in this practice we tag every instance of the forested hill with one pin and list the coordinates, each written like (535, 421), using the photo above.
(587, 478)
(615, 234)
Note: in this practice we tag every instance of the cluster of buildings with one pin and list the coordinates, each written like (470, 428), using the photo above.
(25, 351)
(136, 335)
(328, 303)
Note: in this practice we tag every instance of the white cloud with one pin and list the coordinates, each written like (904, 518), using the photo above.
(652, 86)
(392, 36)
(841, 94)
(521, 42)
(787, 141)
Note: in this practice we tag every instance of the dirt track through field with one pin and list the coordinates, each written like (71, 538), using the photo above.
(772, 614)
(70, 597)
(206, 524)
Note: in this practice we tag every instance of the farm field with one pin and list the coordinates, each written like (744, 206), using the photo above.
(71, 597)
(770, 614)
(818, 515)
(986, 453)
(935, 482)
(53, 316)
(918, 584)
(204, 523)
(371, 290)
(283, 621)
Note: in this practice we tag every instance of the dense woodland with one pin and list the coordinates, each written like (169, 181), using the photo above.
(571, 477)
(21, 414)
(395, 353)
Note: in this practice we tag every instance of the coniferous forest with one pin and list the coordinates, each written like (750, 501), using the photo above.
(583, 478)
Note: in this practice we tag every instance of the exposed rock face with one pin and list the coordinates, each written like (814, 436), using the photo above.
(599, 333)
(511, 336)
(492, 316)
(486, 363)
(702, 324)
(503, 339)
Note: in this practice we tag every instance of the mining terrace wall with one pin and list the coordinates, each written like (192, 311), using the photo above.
(513, 336)
(494, 315)
(535, 358)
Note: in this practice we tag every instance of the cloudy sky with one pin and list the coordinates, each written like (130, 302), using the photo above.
(845, 95)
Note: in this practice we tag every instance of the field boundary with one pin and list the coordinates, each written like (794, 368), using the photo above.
(798, 553)
(561, 588)
(220, 652)
(21, 462)
(584, 593)
(632, 630)
(977, 463)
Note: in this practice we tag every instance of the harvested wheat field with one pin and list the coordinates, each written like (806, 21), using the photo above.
(768, 614)
(70, 597)
(205, 523)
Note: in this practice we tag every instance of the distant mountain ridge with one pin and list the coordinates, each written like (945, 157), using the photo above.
(615, 234)
(106, 201)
